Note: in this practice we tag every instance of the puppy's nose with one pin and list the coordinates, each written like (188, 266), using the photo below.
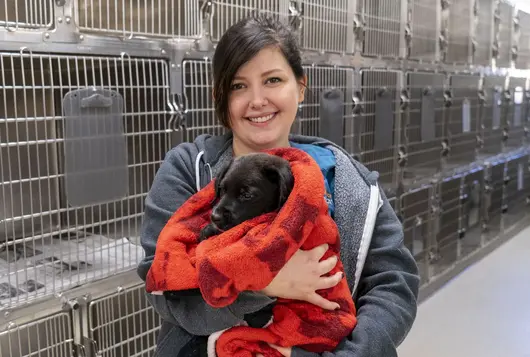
(216, 216)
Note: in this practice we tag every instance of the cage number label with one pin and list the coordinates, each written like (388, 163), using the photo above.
(466, 116)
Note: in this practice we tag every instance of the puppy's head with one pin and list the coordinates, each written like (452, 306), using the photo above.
(250, 186)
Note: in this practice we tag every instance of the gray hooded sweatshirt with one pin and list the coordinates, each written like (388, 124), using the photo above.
(381, 272)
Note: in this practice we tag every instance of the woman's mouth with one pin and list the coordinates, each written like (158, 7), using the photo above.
(262, 119)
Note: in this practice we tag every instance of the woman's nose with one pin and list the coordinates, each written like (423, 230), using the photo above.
(258, 99)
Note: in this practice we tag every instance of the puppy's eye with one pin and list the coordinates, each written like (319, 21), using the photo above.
(245, 196)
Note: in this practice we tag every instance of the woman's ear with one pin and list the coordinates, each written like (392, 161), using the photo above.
(302, 84)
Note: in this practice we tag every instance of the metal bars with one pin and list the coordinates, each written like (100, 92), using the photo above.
(47, 337)
(322, 78)
(493, 90)
(424, 17)
(486, 30)
(48, 241)
(425, 129)
(139, 18)
(378, 126)
(460, 22)
(384, 27)
(523, 47)
(326, 26)
(463, 120)
(226, 13)
(198, 99)
(123, 324)
(506, 34)
(26, 14)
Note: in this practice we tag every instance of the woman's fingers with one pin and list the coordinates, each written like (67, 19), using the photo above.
(327, 265)
(318, 300)
(318, 252)
(329, 281)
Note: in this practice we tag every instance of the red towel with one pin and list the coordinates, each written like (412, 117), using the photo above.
(248, 257)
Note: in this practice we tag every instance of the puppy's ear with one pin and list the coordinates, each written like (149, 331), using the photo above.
(283, 177)
(220, 178)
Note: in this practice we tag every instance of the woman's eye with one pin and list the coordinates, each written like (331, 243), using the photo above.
(274, 80)
(236, 86)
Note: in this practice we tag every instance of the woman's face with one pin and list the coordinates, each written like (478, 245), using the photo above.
(263, 102)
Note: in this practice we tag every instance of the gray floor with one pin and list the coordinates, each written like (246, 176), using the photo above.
(485, 311)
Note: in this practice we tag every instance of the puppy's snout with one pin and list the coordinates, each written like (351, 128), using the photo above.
(217, 216)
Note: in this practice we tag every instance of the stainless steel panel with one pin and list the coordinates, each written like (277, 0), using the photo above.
(516, 188)
(228, 12)
(523, 46)
(485, 32)
(494, 190)
(472, 211)
(384, 27)
(47, 337)
(123, 324)
(425, 29)
(463, 123)
(374, 83)
(27, 15)
(319, 79)
(506, 34)
(516, 111)
(416, 213)
(326, 26)
(127, 19)
(198, 100)
(459, 31)
(44, 239)
(424, 153)
(449, 192)
(491, 114)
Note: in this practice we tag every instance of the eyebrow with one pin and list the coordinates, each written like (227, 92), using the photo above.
(265, 73)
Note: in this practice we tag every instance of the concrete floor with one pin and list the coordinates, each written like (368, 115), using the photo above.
(485, 311)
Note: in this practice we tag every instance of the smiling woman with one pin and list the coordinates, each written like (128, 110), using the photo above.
(258, 85)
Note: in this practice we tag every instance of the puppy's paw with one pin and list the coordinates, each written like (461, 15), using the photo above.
(207, 232)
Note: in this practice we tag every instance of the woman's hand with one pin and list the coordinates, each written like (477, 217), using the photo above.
(285, 351)
(301, 277)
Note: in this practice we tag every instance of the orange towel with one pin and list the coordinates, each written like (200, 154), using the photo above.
(248, 257)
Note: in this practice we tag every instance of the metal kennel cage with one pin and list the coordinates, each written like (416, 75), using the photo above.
(199, 109)
(138, 18)
(378, 122)
(382, 27)
(94, 93)
(458, 29)
(48, 336)
(320, 79)
(423, 31)
(425, 130)
(224, 14)
(81, 140)
(27, 15)
(463, 120)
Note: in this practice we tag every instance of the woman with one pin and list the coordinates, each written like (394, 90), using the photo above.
(258, 84)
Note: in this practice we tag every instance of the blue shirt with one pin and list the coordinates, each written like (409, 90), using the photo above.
(326, 161)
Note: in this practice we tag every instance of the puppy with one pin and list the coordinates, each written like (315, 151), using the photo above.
(249, 186)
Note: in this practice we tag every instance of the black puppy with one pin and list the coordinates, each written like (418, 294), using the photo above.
(249, 186)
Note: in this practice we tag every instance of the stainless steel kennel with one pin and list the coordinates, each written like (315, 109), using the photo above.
(93, 93)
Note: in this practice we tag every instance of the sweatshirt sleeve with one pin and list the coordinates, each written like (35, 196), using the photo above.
(387, 294)
(172, 186)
